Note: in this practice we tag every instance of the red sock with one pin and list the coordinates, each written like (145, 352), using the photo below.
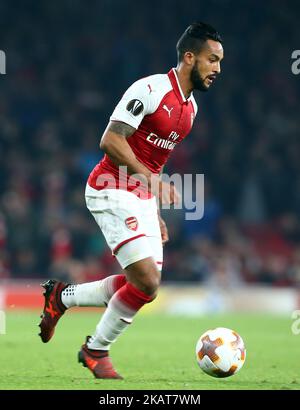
(130, 299)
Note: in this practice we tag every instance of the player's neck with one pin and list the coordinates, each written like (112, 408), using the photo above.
(184, 81)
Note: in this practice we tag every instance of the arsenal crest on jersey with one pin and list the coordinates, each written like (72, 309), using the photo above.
(131, 223)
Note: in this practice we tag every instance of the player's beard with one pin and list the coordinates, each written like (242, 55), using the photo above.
(197, 81)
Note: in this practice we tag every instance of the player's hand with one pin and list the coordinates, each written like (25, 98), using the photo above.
(166, 193)
(163, 230)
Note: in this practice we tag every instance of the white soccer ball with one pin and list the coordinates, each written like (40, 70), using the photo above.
(220, 352)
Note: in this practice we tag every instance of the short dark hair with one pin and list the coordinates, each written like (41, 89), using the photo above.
(194, 38)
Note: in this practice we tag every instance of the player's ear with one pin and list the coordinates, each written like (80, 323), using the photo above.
(189, 58)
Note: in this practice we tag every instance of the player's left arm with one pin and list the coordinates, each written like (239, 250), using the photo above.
(163, 227)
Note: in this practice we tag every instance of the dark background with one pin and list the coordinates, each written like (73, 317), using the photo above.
(69, 62)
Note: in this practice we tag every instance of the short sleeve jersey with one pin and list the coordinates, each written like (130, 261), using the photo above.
(157, 108)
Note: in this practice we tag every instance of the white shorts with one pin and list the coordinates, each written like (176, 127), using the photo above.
(129, 224)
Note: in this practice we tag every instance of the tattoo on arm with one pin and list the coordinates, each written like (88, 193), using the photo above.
(121, 128)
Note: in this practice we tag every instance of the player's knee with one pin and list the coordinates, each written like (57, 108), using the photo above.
(145, 276)
(150, 284)
(153, 296)
(149, 281)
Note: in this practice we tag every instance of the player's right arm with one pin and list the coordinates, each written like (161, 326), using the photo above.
(114, 144)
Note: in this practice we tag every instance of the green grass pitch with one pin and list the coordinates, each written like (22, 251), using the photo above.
(156, 352)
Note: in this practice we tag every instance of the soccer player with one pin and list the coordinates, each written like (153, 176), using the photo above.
(152, 117)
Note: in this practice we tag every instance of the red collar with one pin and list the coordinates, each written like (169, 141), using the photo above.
(176, 86)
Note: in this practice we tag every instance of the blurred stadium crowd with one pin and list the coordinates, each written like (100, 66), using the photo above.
(67, 66)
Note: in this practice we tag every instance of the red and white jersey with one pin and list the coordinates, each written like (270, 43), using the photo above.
(162, 116)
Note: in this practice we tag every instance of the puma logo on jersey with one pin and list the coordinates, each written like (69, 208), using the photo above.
(168, 110)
